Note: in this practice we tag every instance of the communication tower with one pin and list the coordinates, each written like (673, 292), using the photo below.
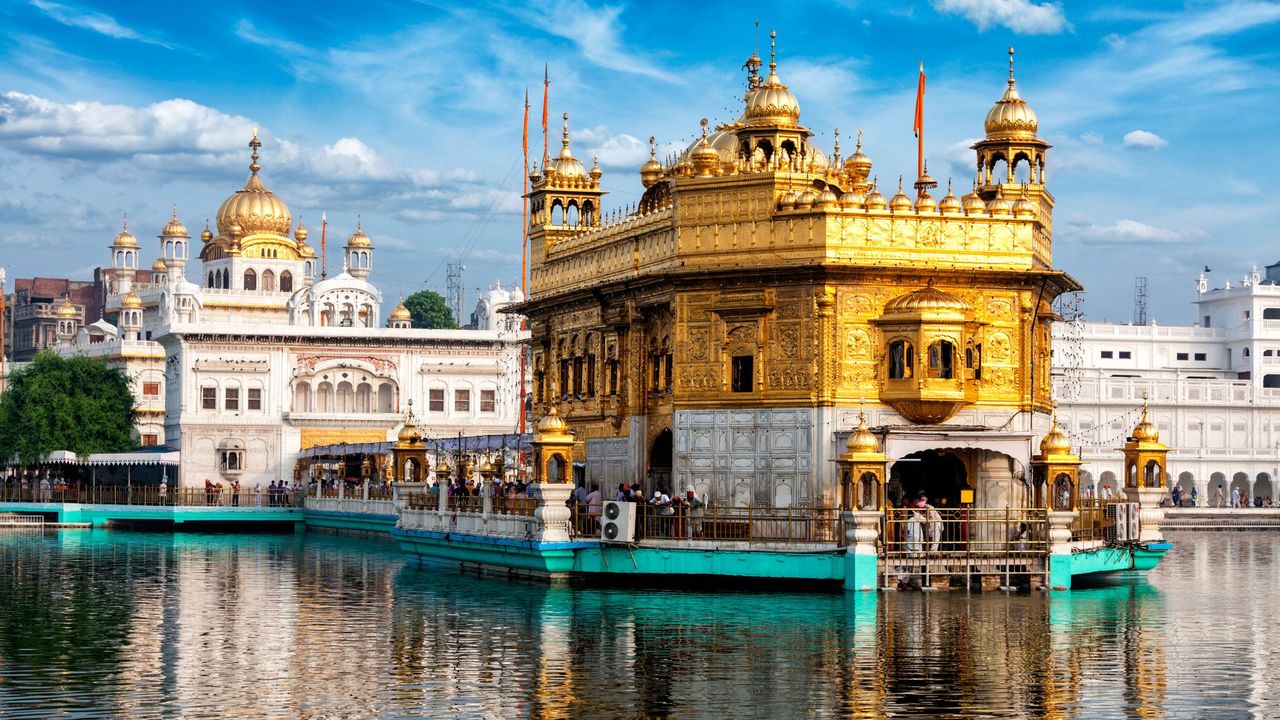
(1140, 300)
(455, 290)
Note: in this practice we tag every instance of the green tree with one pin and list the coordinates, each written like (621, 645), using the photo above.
(58, 403)
(429, 310)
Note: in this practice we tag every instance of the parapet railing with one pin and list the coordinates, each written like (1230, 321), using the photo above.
(718, 523)
(1092, 522)
(976, 534)
(500, 504)
(125, 495)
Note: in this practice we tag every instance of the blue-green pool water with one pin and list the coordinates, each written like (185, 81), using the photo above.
(109, 623)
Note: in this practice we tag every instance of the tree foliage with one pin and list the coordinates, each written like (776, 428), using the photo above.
(429, 310)
(59, 403)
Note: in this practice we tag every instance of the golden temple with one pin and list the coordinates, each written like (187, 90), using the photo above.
(725, 332)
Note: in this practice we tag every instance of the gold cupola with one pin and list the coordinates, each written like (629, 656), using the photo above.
(206, 235)
(1011, 118)
(705, 158)
(174, 228)
(1145, 431)
(131, 301)
(771, 103)
(900, 202)
(159, 267)
(125, 239)
(875, 201)
(565, 165)
(858, 166)
(651, 171)
(254, 208)
(1055, 443)
(300, 236)
(950, 204)
(400, 312)
(358, 239)
(66, 310)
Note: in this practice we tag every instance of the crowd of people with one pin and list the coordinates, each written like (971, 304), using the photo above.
(659, 514)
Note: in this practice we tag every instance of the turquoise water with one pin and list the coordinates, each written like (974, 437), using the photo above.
(125, 624)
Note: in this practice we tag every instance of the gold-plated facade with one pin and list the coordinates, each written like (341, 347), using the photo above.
(778, 277)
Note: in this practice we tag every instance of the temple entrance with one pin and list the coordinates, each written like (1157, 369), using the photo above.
(660, 462)
(940, 475)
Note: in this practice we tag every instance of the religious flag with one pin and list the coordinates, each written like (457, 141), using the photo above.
(546, 91)
(525, 140)
(918, 127)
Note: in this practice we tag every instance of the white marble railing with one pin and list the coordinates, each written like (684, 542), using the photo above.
(515, 527)
(350, 505)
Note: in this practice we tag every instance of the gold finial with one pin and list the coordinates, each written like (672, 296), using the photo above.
(359, 223)
(773, 50)
(899, 184)
(126, 222)
(175, 211)
(255, 143)
(835, 151)
(948, 186)
(859, 138)
(566, 131)
(1010, 66)
(703, 122)
(653, 150)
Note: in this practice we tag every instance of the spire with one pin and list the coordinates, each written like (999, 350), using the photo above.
(1010, 66)
(126, 222)
(653, 150)
(773, 51)
(753, 63)
(255, 143)
(835, 151)
(174, 216)
(564, 150)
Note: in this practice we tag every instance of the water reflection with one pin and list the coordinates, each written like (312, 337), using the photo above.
(110, 624)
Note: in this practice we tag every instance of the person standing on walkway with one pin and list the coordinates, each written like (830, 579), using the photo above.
(595, 502)
(1217, 496)
(1235, 498)
(1194, 496)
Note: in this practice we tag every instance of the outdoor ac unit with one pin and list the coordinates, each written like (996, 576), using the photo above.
(618, 522)
(1125, 527)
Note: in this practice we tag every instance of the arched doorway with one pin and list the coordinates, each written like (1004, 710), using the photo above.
(1262, 488)
(660, 462)
(940, 475)
(1240, 481)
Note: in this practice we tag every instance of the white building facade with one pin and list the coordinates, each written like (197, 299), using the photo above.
(1213, 389)
(266, 356)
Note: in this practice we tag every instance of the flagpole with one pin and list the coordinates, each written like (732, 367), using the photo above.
(920, 124)
(546, 91)
(524, 247)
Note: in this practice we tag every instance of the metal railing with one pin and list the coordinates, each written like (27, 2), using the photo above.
(716, 523)
(125, 495)
(927, 542)
(17, 520)
(1091, 521)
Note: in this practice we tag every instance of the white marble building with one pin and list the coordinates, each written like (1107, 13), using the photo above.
(267, 356)
(1214, 389)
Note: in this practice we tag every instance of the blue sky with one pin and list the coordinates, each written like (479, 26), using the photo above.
(1162, 116)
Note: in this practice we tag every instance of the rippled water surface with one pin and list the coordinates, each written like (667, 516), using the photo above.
(122, 624)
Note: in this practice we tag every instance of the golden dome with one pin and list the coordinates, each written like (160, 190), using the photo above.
(254, 208)
(806, 199)
(1000, 206)
(771, 103)
(862, 441)
(206, 235)
(851, 199)
(950, 204)
(486, 469)
(875, 201)
(788, 200)
(300, 233)
(66, 310)
(704, 157)
(900, 202)
(828, 198)
(926, 300)
(358, 239)
(125, 239)
(401, 312)
(552, 423)
(131, 301)
(1146, 430)
(174, 228)
(596, 172)
(858, 165)
(974, 204)
(1056, 442)
(409, 433)
(926, 203)
(651, 171)
(158, 266)
(565, 165)
(1011, 118)
(1024, 208)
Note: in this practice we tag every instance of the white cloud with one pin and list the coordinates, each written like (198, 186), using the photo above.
(1021, 16)
(1144, 140)
(93, 21)
(1091, 138)
(1130, 232)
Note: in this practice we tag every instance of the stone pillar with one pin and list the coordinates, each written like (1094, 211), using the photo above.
(552, 512)
(364, 490)
(1060, 548)
(1150, 514)
(442, 493)
(486, 497)
(862, 528)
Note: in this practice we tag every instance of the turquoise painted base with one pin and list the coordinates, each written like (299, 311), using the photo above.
(361, 522)
(1146, 558)
(99, 515)
(552, 560)
(860, 571)
(1103, 561)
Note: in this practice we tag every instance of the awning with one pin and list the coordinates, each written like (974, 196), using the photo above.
(471, 443)
(169, 457)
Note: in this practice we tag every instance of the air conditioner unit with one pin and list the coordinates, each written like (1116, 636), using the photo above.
(1125, 525)
(618, 522)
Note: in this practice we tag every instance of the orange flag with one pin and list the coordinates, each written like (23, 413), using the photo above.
(524, 142)
(546, 89)
(919, 124)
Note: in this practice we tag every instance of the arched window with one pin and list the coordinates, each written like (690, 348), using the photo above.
(1062, 492)
(364, 398)
(973, 360)
(386, 398)
(346, 397)
(210, 283)
(571, 215)
(324, 397)
(286, 281)
(268, 281)
(302, 397)
(942, 360)
(557, 213)
(902, 359)
(250, 280)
